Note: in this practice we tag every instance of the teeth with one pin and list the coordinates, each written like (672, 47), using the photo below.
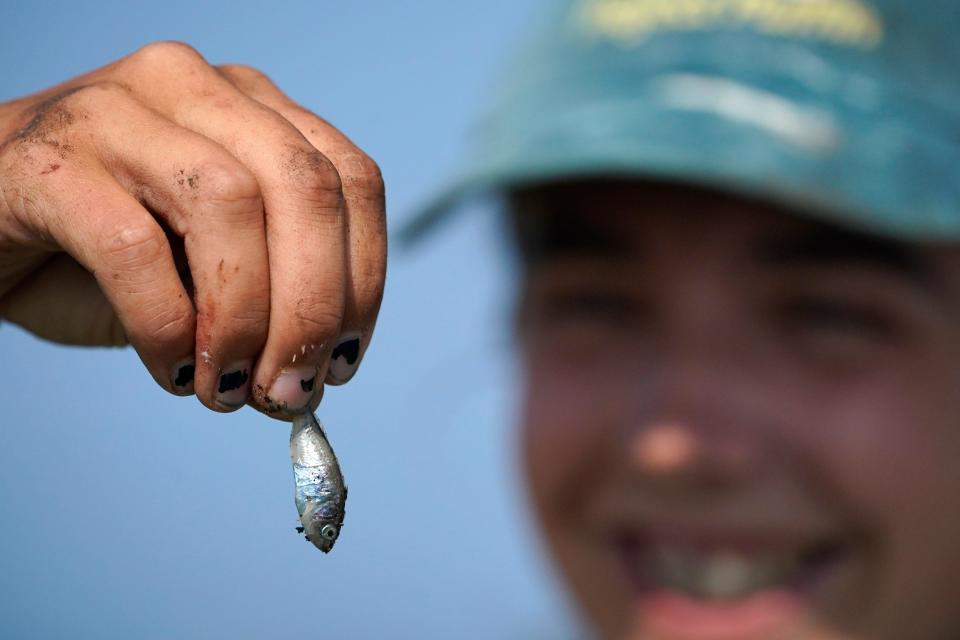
(717, 574)
(726, 574)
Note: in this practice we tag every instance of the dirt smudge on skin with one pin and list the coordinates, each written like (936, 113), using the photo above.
(191, 180)
(298, 161)
(48, 120)
(206, 314)
(262, 401)
(50, 169)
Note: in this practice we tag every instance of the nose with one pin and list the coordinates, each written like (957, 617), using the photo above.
(680, 455)
(705, 417)
(664, 449)
(705, 421)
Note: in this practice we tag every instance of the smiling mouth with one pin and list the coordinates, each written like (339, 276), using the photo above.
(727, 587)
(727, 570)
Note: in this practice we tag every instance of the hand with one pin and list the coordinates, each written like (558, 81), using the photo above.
(235, 239)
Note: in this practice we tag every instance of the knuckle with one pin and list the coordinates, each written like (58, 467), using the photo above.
(132, 245)
(361, 172)
(165, 54)
(100, 88)
(313, 177)
(319, 317)
(249, 326)
(166, 325)
(228, 182)
(90, 97)
(244, 73)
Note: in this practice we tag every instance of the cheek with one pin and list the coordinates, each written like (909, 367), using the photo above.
(570, 418)
(553, 414)
(891, 442)
(887, 448)
(571, 429)
(900, 452)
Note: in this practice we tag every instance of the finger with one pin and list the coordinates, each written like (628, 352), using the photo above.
(366, 228)
(113, 237)
(304, 211)
(210, 200)
(62, 283)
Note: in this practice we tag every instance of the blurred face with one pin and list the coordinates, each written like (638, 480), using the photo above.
(740, 423)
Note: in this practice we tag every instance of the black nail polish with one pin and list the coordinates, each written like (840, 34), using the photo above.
(232, 380)
(348, 349)
(307, 385)
(184, 375)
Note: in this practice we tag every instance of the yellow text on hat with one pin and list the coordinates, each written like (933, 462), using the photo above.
(844, 22)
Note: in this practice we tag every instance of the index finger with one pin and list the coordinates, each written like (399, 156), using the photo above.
(303, 210)
(366, 227)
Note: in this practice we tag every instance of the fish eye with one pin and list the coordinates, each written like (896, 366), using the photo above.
(329, 532)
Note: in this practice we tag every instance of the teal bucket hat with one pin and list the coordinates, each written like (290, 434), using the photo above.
(848, 109)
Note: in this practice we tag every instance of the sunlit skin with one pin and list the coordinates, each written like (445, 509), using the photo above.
(699, 366)
(236, 240)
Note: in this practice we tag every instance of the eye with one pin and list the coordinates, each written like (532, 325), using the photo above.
(813, 314)
(329, 532)
(609, 304)
(838, 330)
(584, 306)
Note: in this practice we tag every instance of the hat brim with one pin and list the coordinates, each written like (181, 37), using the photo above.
(836, 166)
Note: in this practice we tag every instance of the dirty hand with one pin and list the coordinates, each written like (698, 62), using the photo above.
(236, 240)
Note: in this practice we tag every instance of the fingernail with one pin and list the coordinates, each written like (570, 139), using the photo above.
(345, 359)
(293, 388)
(233, 386)
(182, 378)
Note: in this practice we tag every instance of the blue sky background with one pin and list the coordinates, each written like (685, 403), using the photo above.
(128, 513)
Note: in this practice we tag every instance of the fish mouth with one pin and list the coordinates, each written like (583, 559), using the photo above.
(318, 538)
(318, 528)
(323, 545)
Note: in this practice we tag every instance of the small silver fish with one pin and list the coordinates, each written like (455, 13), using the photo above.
(320, 493)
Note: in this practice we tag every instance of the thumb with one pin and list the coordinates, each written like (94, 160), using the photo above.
(62, 302)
